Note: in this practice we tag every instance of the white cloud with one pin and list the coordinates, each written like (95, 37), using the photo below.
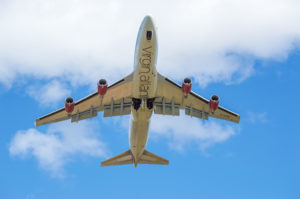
(253, 117)
(49, 94)
(82, 41)
(59, 145)
(183, 130)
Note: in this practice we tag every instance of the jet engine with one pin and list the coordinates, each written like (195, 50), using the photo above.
(69, 105)
(186, 86)
(102, 87)
(214, 102)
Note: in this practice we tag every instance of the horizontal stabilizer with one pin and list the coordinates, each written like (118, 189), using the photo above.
(121, 159)
(151, 158)
(127, 158)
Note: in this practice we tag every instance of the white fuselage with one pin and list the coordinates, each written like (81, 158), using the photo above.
(144, 86)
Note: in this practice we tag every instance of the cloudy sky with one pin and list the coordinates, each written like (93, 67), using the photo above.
(246, 51)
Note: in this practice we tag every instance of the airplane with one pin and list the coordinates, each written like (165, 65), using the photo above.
(140, 94)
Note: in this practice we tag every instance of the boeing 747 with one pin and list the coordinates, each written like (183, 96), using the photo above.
(140, 94)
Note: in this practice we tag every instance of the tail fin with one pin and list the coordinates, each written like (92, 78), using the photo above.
(127, 158)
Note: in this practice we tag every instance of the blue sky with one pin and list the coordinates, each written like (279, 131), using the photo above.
(247, 53)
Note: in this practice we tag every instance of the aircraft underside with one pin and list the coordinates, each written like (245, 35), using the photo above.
(142, 93)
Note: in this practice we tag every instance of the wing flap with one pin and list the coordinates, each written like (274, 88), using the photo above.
(117, 109)
(196, 113)
(93, 112)
(166, 108)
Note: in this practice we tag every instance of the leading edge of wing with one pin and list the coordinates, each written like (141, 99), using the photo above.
(192, 93)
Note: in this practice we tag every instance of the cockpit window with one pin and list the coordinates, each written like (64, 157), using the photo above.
(149, 35)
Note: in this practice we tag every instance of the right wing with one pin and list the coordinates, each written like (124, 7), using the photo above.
(116, 101)
(170, 94)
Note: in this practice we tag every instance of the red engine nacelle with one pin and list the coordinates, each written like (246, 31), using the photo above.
(214, 102)
(102, 87)
(69, 105)
(186, 86)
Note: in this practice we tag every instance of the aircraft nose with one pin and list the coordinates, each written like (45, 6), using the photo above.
(148, 21)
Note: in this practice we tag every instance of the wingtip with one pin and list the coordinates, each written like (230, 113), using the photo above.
(238, 120)
(37, 123)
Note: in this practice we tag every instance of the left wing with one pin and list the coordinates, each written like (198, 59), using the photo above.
(170, 100)
(116, 101)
